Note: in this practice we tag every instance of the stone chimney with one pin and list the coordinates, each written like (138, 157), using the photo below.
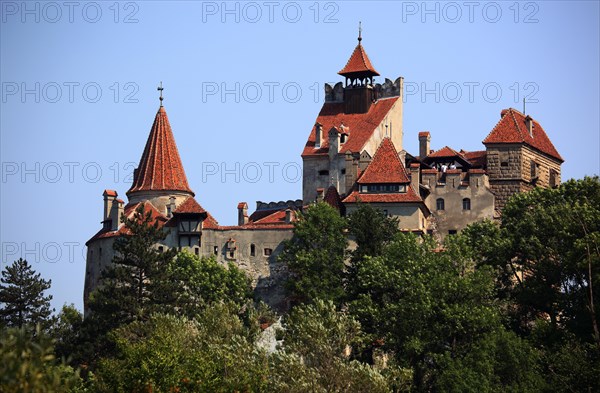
(116, 213)
(351, 166)
(171, 207)
(415, 172)
(288, 216)
(242, 213)
(110, 197)
(334, 142)
(424, 142)
(529, 124)
(318, 134)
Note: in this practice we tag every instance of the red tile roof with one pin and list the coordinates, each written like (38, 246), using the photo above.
(358, 64)
(210, 222)
(277, 217)
(410, 196)
(189, 206)
(476, 158)
(160, 167)
(111, 193)
(512, 128)
(386, 166)
(129, 211)
(445, 152)
(360, 125)
(332, 198)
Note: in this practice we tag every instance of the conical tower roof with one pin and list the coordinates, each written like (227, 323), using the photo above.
(359, 65)
(160, 167)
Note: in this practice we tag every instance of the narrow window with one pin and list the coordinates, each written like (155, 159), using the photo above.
(100, 252)
(534, 170)
(268, 251)
(324, 172)
(439, 204)
(216, 250)
(466, 204)
(196, 251)
(504, 158)
(231, 254)
(553, 178)
(252, 250)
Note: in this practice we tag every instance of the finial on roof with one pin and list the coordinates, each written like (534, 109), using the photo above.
(523, 105)
(359, 32)
(160, 88)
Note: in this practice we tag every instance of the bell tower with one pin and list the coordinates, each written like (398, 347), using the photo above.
(359, 73)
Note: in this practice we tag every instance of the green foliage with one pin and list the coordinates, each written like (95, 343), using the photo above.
(168, 353)
(315, 255)
(553, 250)
(317, 345)
(572, 367)
(200, 281)
(371, 230)
(66, 333)
(28, 364)
(498, 362)
(135, 284)
(424, 304)
(22, 300)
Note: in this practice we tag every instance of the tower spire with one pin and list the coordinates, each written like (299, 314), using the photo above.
(160, 88)
(359, 32)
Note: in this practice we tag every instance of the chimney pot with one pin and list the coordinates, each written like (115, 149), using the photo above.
(243, 213)
(424, 144)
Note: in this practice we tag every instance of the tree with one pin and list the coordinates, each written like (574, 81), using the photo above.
(66, 334)
(424, 305)
(212, 352)
(198, 282)
(22, 297)
(317, 345)
(371, 230)
(27, 364)
(136, 283)
(553, 252)
(315, 255)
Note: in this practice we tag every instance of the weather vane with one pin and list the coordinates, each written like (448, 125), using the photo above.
(160, 88)
(359, 32)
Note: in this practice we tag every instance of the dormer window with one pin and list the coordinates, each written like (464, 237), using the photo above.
(343, 138)
(189, 226)
(383, 188)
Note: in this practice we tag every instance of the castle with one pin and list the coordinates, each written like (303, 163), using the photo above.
(354, 154)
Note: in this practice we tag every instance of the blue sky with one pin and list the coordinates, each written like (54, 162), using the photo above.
(243, 85)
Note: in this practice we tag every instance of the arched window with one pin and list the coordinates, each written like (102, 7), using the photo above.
(439, 204)
(466, 204)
